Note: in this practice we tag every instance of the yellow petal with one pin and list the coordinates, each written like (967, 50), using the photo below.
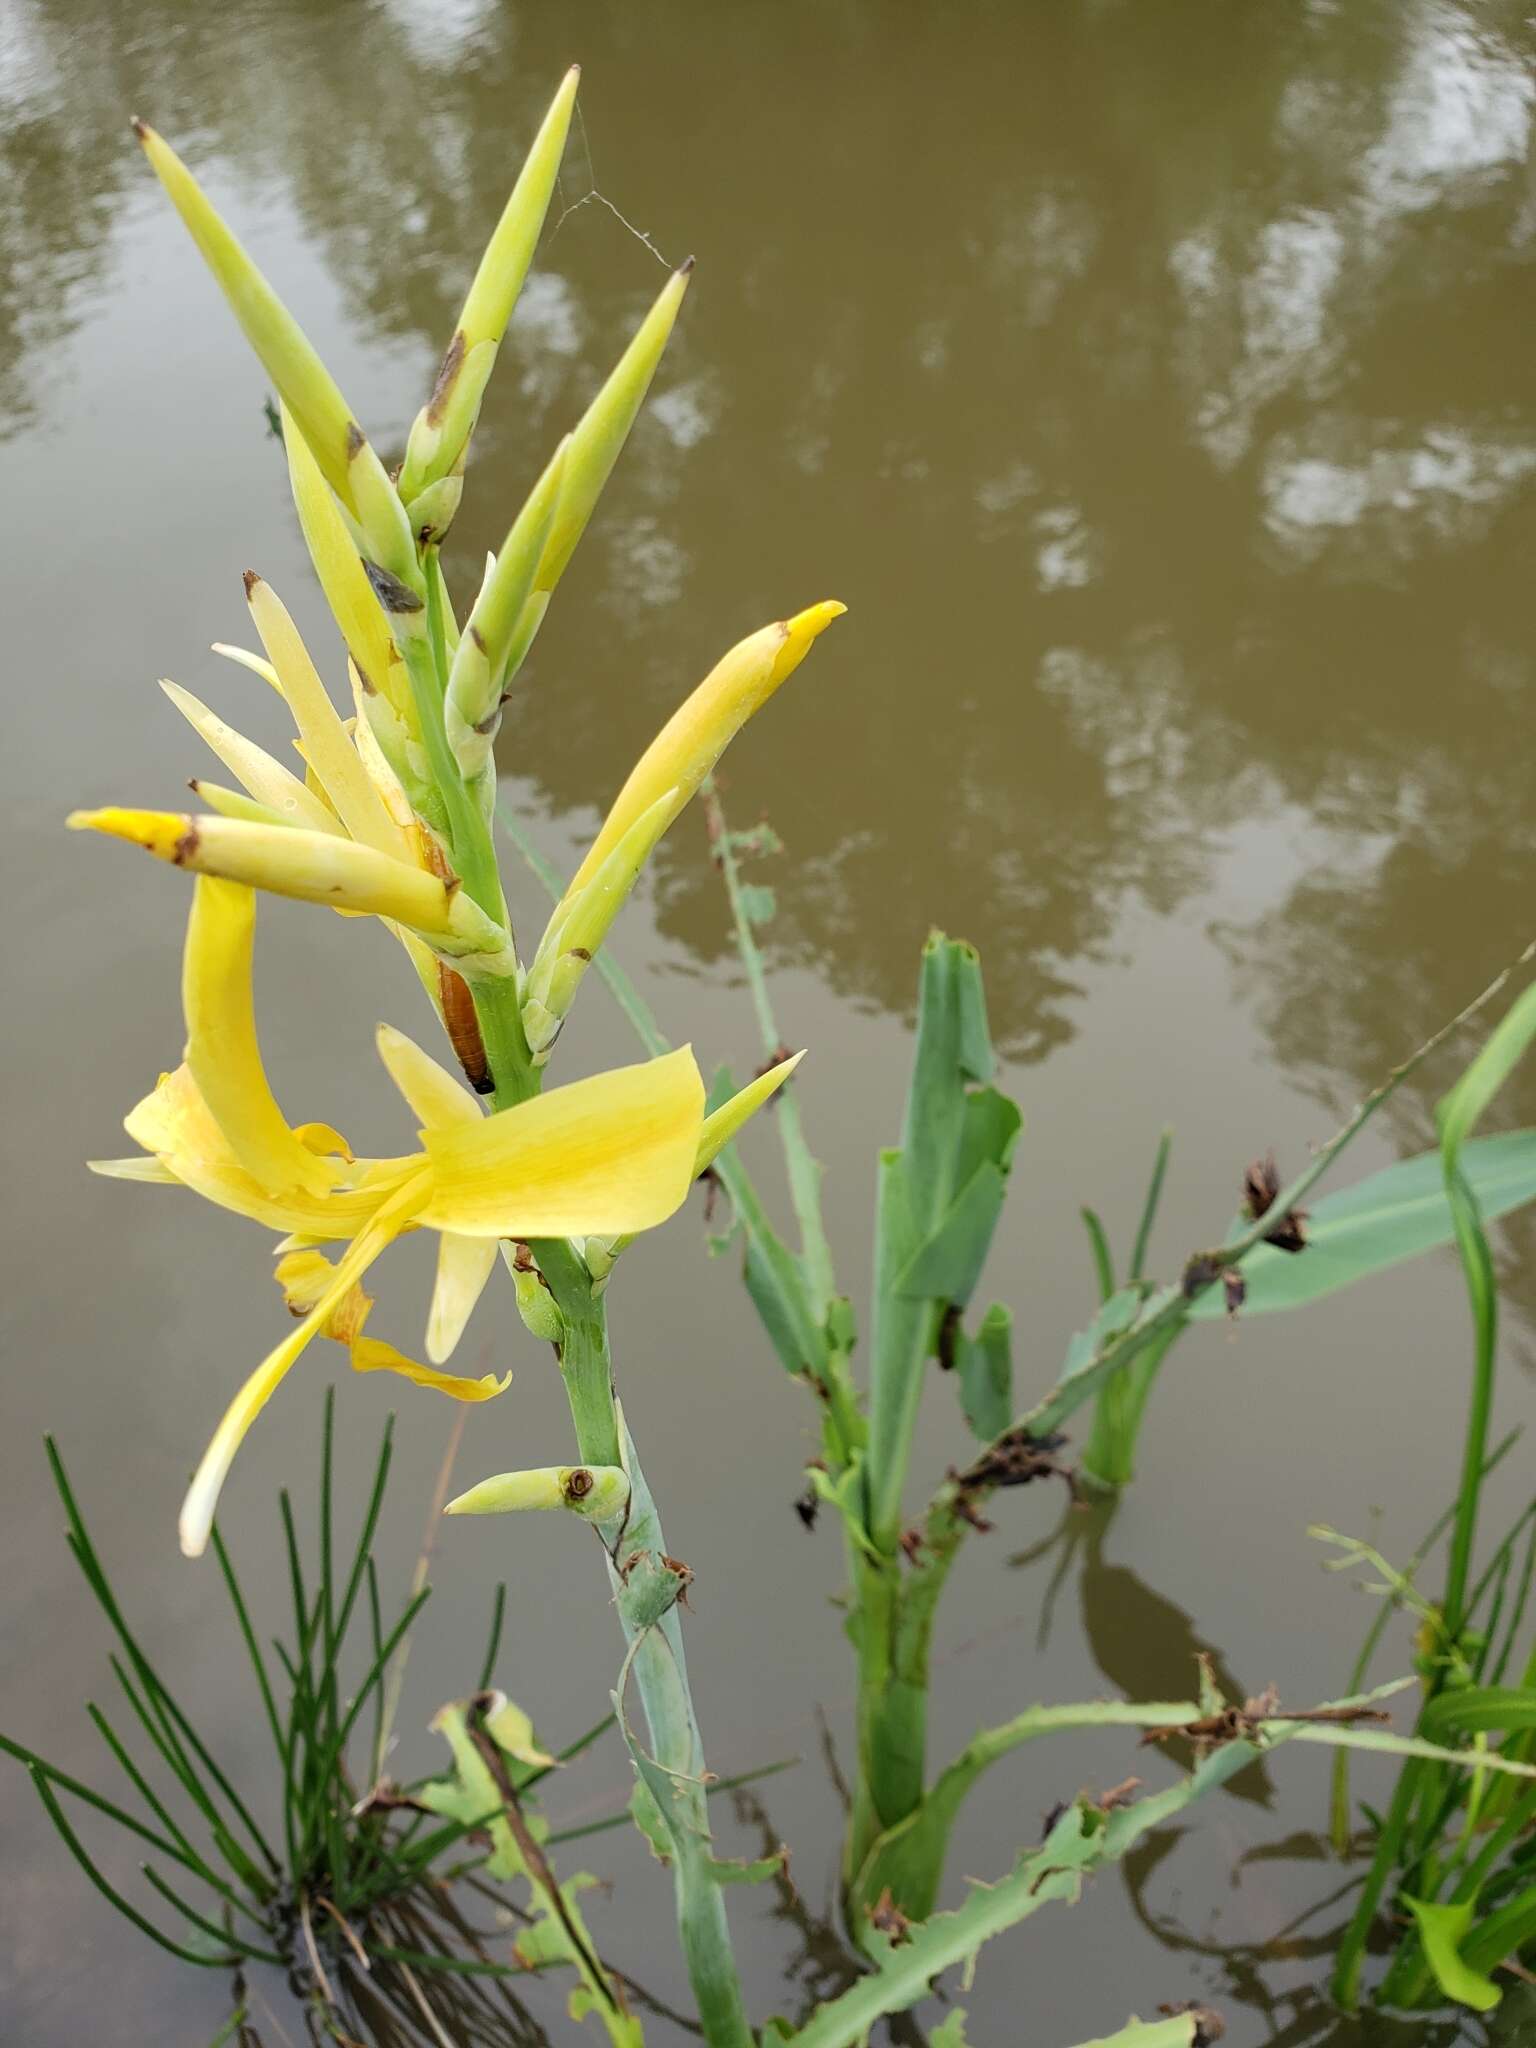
(372, 1354)
(463, 1267)
(433, 1095)
(222, 1051)
(722, 1126)
(252, 766)
(696, 735)
(326, 745)
(175, 1125)
(256, 663)
(343, 579)
(305, 1275)
(203, 1495)
(613, 1153)
(152, 1170)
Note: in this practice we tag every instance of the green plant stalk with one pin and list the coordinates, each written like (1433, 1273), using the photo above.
(660, 1671)
(1109, 1454)
(659, 1666)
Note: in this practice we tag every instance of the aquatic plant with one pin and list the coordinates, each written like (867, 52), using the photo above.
(392, 820)
(1454, 1851)
(939, 1198)
(339, 1855)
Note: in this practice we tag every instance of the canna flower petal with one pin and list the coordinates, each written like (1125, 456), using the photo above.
(610, 1154)
(203, 1495)
(697, 734)
(268, 781)
(463, 1267)
(176, 1127)
(372, 1354)
(233, 803)
(222, 1052)
(727, 1120)
(434, 1096)
(326, 745)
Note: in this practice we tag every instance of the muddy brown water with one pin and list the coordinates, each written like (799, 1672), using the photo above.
(1154, 383)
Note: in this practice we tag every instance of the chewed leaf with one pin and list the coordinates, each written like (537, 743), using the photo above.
(1380, 1221)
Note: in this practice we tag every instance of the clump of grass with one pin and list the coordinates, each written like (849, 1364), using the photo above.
(237, 1890)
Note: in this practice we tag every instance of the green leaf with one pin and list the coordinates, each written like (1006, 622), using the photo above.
(777, 1286)
(733, 1870)
(984, 1371)
(948, 1264)
(1380, 1221)
(950, 2032)
(1474, 1709)
(1441, 1929)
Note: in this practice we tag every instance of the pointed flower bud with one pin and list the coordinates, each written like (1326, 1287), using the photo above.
(317, 867)
(697, 734)
(347, 462)
(598, 1493)
(443, 426)
(472, 710)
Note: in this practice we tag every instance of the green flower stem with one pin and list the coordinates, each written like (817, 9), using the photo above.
(659, 1668)
(637, 1555)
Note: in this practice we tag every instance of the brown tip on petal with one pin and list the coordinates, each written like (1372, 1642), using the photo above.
(685, 268)
(250, 579)
(574, 72)
(140, 128)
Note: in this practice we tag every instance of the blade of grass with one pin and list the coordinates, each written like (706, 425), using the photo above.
(1103, 1260)
(211, 1928)
(1150, 1205)
(488, 1662)
(109, 1892)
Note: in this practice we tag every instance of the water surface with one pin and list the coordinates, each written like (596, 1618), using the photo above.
(1154, 384)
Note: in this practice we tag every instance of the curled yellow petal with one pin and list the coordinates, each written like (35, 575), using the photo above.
(696, 735)
(202, 1498)
(610, 1154)
(175, 1125)
(463, 1267)
(222, 1050)
(372, 1354)
(722, 1126)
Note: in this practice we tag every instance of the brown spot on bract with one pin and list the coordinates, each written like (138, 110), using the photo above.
(578, 1484)
(447, 377)
(477, 636)
(580, 953)
(394, 595)
(187, 845)
(250, 579)
(886, 1916)
(365, 681)
(357, 440)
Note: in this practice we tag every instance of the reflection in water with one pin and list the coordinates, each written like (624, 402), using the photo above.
(1146, 1646)
(1153, 382)
(1204, 461)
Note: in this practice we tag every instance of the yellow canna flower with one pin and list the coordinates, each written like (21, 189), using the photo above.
(609, 1155)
